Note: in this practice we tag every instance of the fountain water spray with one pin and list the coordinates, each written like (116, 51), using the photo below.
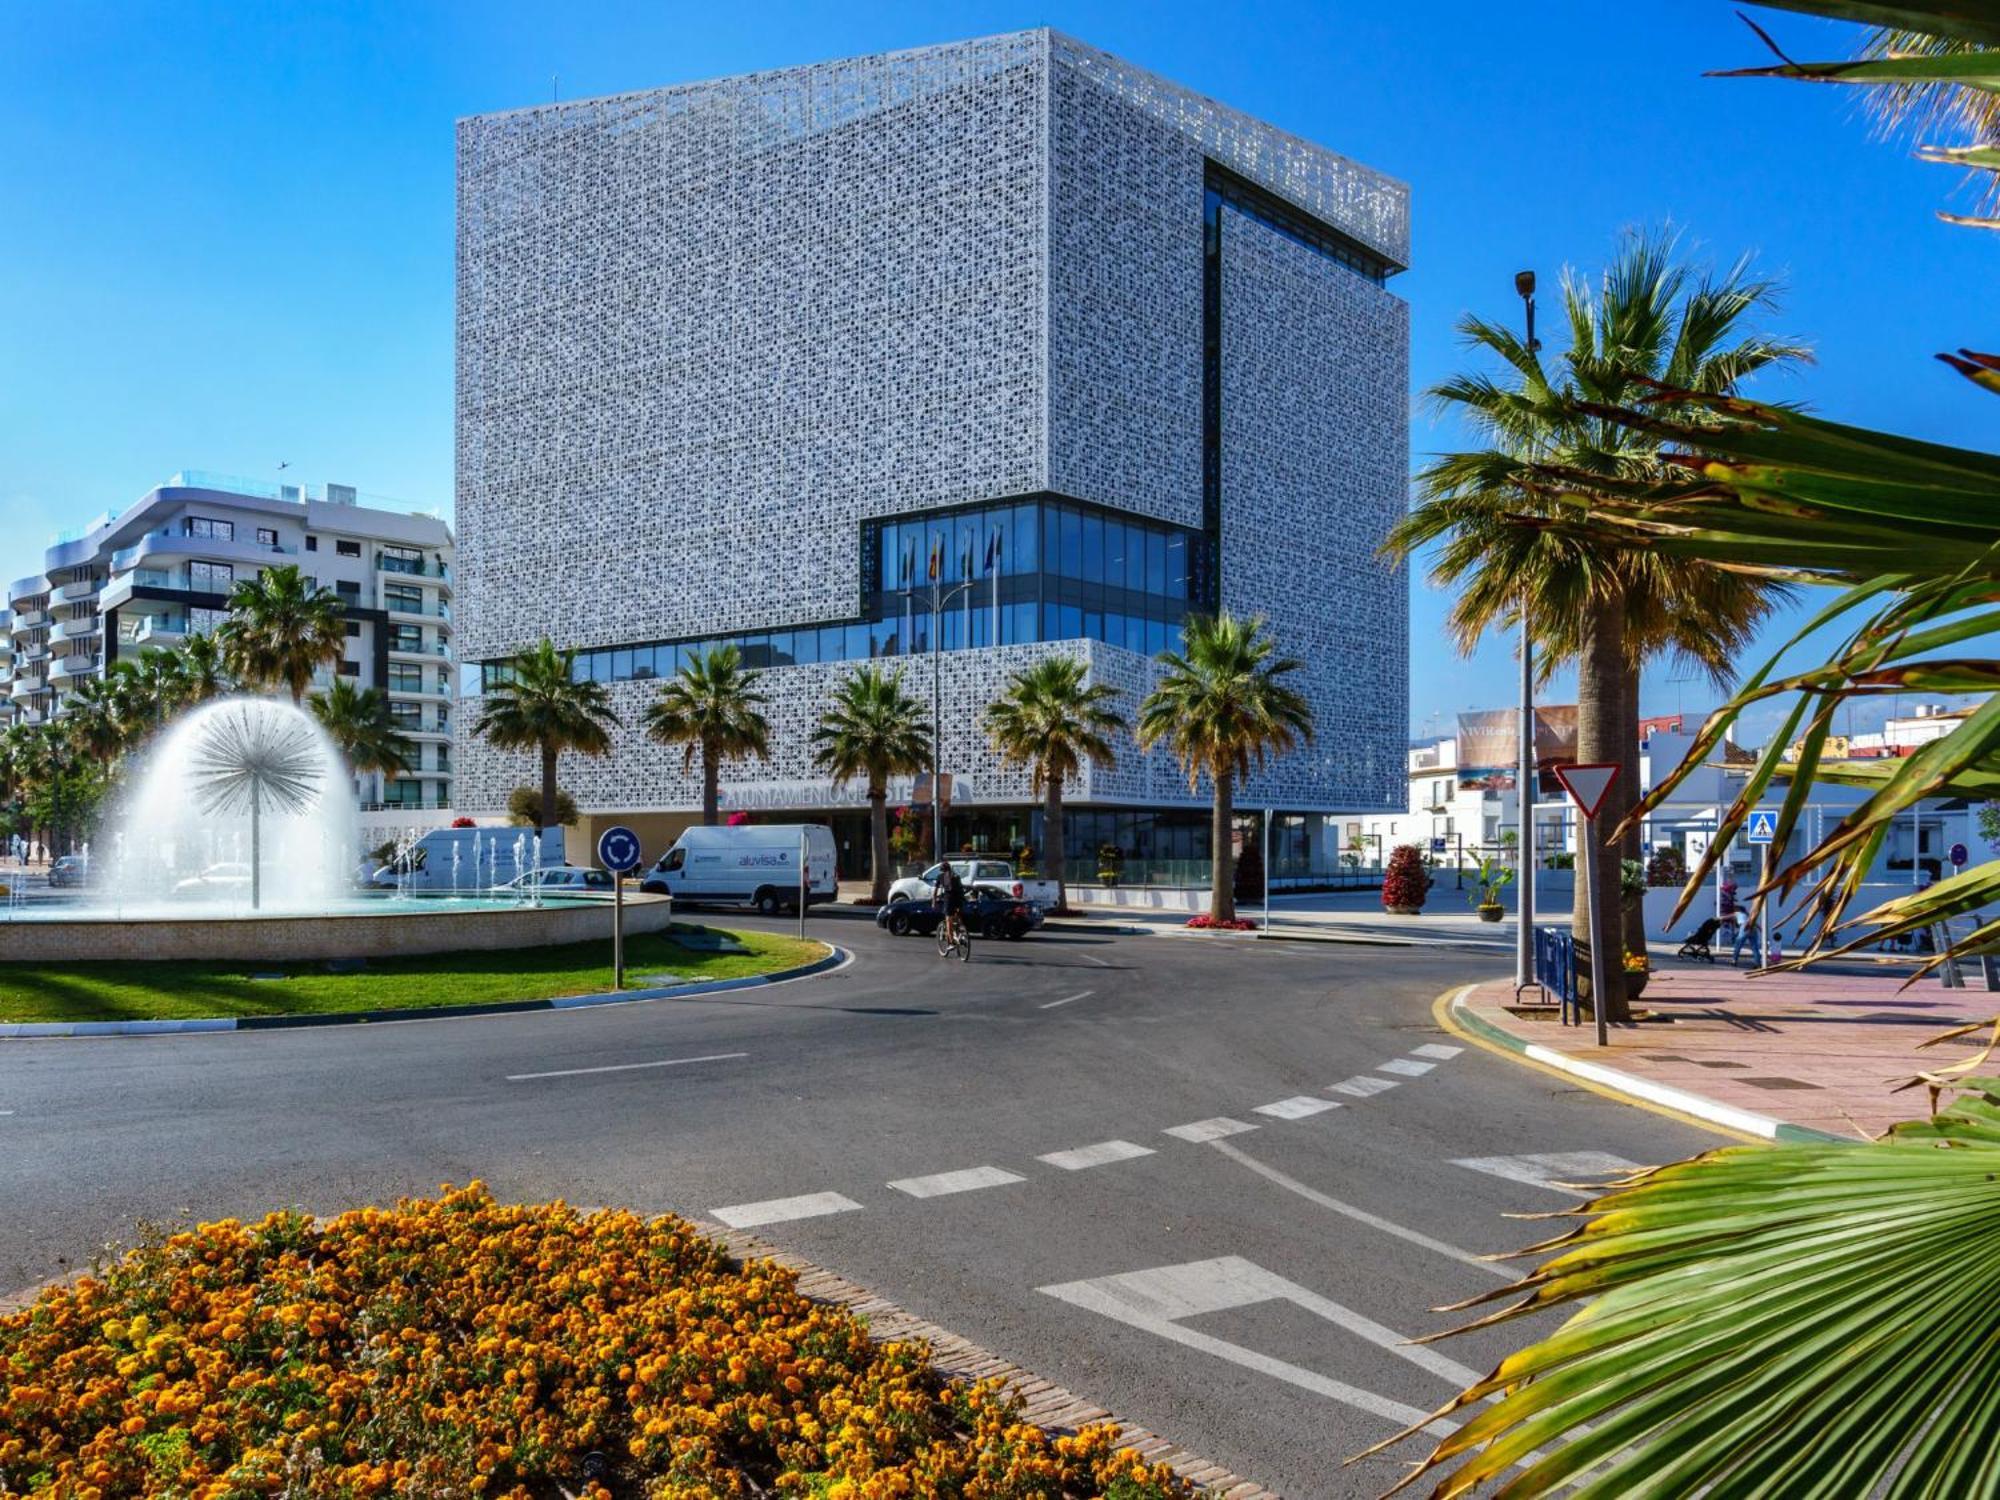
(247, 760)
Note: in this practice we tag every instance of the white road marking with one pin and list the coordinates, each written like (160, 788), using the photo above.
(1361, 1086)
(1404, 1066)
(1155, 1300)
(665, 1062)
(1102, 1154)
(1360, 1215)
(1297, 1107)
(1551, 1169)
(779, 1210)
(1079, 995)
(1091, 958)
(968, 1180)
(1207, 1130)
(1435, 1049)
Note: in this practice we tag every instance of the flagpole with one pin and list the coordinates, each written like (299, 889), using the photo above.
(993, 566)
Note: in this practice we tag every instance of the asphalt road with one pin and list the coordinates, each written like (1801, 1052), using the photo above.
(1109, 1159)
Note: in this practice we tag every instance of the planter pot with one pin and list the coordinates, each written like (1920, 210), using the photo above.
(1107, 877)
(1492, 912)
(1635, 985)
(1404, 911)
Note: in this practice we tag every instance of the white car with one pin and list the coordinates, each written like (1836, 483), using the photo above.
(562, 880)
(229, 876)
(991, 874)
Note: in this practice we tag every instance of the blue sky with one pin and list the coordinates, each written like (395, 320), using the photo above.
(229, 227)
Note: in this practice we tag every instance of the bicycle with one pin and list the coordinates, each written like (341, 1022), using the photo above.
(952, 937)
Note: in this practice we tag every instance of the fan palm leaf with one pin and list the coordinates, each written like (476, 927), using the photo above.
(281, 629)
(1051, 719)
(870, 731)
(712, 709)
(540, 706)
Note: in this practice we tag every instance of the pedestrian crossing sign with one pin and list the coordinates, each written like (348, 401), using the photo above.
(1763, 827)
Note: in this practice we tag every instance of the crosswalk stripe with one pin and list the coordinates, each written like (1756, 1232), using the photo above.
(1207, 1130)
(1404, 1066)
(1361, 1086)
(781, 1210)
(1436, 1049)
(1297, 1107)
(1551, 1169)
(966, 1180)
(1101, 1154)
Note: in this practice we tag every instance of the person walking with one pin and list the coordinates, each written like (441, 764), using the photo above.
(1746, 932)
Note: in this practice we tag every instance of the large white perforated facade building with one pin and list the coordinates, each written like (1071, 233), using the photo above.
(736, 357)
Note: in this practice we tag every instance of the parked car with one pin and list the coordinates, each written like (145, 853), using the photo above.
(563, 880)
(754, 864)
(997, 874)
(231, 875)
(988, 913)
(70, 870)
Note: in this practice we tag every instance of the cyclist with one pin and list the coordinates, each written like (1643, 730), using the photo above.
(951, 896)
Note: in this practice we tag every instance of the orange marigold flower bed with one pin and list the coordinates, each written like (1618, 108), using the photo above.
(459, 1346)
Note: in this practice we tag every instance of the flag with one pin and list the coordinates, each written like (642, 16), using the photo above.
(937, 557)
(992, 552)
(909, 565)
(965, 561)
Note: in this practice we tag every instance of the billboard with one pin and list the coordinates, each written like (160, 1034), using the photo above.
(1489, 747)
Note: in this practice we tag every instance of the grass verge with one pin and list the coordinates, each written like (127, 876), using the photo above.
(129, 990)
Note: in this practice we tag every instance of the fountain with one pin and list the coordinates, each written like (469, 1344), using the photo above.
(238, 838)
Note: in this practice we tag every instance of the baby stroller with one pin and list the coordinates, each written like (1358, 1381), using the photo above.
(1697, 942)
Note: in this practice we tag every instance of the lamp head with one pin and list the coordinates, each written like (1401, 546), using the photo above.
(1524, 283)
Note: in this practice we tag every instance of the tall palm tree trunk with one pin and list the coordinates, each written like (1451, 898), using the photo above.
(1600, 720)
(1052, 836)
(1631, 847)
(1222, 866)
(711, 785)
(878, 842)
(548, 811)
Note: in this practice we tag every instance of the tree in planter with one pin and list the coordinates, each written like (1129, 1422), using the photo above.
(1223, 707)
(1052, 721)
(1110, 863)
(540, 705)
(1406, 882)
(712, 709)
(524, 809)
(873, 730)
(1494, 876)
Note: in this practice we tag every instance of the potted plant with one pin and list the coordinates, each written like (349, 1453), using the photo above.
(1110, 863)
(1493, 878)
(1406, 882)
(1637, 971)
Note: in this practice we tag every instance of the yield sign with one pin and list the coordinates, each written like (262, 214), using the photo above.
(1587, 782)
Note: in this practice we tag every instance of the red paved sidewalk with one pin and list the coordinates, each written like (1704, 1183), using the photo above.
(1815, 1050)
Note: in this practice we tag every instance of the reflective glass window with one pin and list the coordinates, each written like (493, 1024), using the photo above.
(1092, 567)
(1156, 563)
(855, 644)
(1177, 567)
(621, 665)
(1070, 558)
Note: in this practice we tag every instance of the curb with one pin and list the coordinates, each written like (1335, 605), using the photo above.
(1457, 945)
(1642, 1090)
(31, 1030)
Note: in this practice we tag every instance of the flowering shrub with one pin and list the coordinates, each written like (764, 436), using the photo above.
(1207, 923)
(463, 823)
(1406, 882)
(460, 1346)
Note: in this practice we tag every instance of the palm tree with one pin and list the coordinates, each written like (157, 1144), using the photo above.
(203, 671)
(1050, 720)
(151, 687)
(1222, 707)
(875, 730)
(711, 707)
(539, 705)
(358, 722)
(94, 723)
(1648, 319)
(281, 629)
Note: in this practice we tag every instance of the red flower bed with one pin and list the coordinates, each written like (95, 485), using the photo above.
(1206, 923)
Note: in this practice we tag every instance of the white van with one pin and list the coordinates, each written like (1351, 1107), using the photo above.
(753, 865)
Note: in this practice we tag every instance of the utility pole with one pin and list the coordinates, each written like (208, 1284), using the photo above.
(1525, 780)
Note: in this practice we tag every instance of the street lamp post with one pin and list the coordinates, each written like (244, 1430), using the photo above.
(1525, 780)
(940, 599)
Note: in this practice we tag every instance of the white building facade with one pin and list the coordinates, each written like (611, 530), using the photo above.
(162, 569)
(740, 360)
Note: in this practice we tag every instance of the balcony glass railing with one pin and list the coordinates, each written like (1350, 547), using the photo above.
(413, 567)
(417, 607)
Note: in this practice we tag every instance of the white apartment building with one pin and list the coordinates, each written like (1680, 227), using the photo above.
(161, 571)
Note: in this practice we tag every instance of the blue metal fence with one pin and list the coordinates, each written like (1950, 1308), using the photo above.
(1555, 971)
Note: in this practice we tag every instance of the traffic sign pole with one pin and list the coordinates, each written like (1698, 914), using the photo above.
(618, 852)
(802, 881)
(1587, 785)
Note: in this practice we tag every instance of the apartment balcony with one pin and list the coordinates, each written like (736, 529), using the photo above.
(408, 569)
(69, 668)
(419, 694)
(76, 630)
(158, 630)
(159, 546)
(418, 653)
(30, 619)
(83, 588)
(26, 715)
(25, 684)
(405, 611)
(429, 733)
(34, 651)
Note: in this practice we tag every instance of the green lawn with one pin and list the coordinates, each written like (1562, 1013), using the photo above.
(129, 991)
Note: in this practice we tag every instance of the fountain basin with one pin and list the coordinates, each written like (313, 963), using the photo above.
(369, 929)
